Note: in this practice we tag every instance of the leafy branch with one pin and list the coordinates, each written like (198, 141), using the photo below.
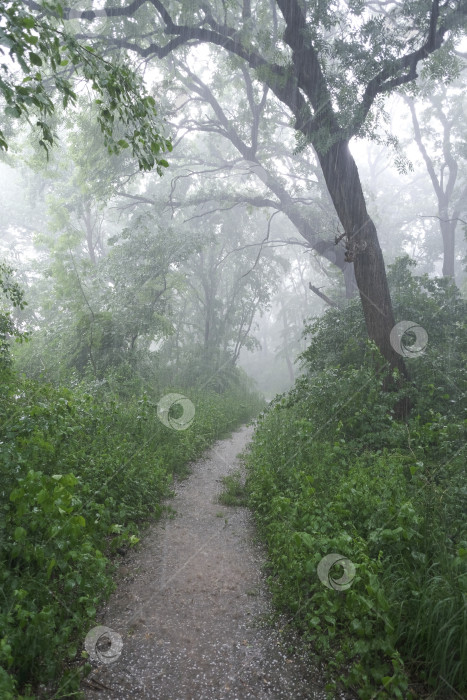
(41, 48)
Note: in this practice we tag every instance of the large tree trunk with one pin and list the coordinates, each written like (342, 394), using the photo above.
(285, 327)
(448, 232)
(343, 181)
(341, 175)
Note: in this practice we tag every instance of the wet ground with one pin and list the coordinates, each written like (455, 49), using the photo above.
(192, 606)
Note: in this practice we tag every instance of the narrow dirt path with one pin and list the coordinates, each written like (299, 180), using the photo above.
(191, 604)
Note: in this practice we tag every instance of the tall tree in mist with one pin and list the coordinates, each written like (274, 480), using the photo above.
(439, 129)
(330, 65)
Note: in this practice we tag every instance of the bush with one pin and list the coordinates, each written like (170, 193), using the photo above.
(331, 470)
(81, 471)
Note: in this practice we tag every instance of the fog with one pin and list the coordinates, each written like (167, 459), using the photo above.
(239, 223)
(230, 203)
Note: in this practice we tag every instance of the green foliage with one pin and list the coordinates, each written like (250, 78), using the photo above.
(234, 492)
(112, 307)
(11, 295)
(216, 371)
(332, 470)
(339, 341)
(44, 52)
(81, 470)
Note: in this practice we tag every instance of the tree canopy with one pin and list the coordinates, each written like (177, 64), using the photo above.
(43, 62)
(330, 65)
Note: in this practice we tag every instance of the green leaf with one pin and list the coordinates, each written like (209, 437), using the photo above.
(35, 59)
(19, 534)
(12, 111)
(306, 538)
(28, 22)
(51, 565)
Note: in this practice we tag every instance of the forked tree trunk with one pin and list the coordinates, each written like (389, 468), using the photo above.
(343, 181)
(342, 178)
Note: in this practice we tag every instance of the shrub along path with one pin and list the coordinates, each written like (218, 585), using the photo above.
(191, 605)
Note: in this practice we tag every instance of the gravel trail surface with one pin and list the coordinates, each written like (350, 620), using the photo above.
(192, 605)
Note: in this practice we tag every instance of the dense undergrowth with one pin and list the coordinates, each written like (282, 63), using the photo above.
(331, 470)
(81, 470)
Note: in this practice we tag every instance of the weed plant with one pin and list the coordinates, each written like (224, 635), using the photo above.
(234, 491)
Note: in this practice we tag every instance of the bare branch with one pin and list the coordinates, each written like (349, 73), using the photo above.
(433, 216)
(323, 296)
(421, 147)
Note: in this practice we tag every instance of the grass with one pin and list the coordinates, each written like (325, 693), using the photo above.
(234, 493)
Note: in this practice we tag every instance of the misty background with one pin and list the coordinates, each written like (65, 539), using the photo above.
(208, 265)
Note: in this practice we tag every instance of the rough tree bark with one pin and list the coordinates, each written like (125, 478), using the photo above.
(448, 233)
(343, 182)
(342, 179)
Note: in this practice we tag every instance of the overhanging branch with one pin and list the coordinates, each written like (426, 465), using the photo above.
(403, 70)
